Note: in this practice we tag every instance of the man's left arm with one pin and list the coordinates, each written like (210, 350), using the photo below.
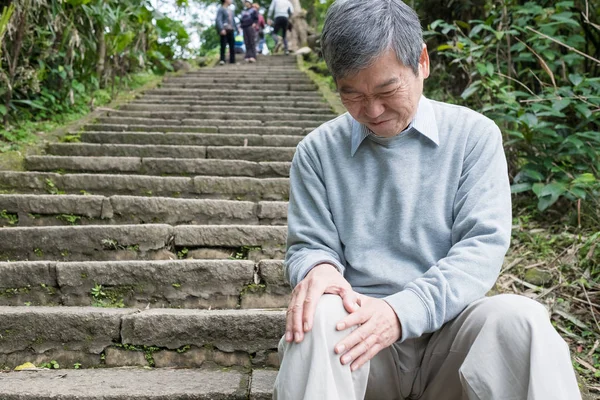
(480, 237)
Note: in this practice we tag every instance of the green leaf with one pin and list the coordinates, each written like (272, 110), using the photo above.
(584, 110)
(3, 109)
(537, 188)
(575, 79)
(520, 187)
(553, 189)
(584, 179)
(490, 68)
(470, 90)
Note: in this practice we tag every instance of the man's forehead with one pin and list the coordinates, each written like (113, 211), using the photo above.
(352, 85)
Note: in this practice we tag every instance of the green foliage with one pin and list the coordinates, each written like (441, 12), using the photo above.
(66, 56)
(529, 68)
(50, 365)
(11, 218)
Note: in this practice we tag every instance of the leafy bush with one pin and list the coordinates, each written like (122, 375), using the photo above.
(55, 53)
(530, 69)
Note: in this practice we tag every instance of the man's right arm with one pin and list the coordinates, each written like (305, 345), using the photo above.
(314, 260)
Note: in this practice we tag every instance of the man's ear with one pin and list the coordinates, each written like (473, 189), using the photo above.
(424, 62)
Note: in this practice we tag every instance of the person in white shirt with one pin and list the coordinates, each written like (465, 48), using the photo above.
(280, 11)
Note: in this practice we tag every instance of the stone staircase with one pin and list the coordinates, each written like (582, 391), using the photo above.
(144, 258)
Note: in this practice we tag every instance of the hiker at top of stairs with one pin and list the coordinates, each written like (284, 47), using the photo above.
(225, 25)
(260, 29)
(248, 22)
(281, 11)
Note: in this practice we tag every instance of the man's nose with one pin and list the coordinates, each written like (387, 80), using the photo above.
(373, 108)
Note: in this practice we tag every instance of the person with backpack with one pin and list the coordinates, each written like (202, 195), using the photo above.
(225, 25)
(281, 11)
(248, 22)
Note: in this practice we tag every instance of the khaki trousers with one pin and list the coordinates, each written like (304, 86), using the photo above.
(500, 347)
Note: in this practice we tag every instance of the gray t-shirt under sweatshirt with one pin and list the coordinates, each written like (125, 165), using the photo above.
(421, 219)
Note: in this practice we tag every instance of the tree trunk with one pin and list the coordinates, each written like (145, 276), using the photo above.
(101, 43)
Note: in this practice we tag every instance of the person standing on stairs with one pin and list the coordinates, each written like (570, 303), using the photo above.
(225, 25)
(260, 29)
(281, 11)
(398, 222)
(248, 22)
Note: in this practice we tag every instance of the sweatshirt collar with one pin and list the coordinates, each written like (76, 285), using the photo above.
(423, 123)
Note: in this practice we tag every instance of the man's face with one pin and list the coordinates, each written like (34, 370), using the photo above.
(384, 96)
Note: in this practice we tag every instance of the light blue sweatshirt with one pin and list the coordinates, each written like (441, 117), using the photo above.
(421, 219)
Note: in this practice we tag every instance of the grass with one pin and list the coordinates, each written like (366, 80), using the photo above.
(569, 261)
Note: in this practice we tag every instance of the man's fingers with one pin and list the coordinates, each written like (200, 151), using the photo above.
(355, 318)
(350, 301)
(357, 336)
(366, 356)
(357, 350)
(294, 313)
(313, 295)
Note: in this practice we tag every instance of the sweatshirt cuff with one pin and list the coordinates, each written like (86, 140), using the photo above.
(309, 260)
(412, 312)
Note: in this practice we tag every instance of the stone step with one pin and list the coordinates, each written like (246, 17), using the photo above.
(250, 189)
(192, 139)
(138, 384)
(233, 85)
(238, 94)
(195, 100)
(240, 80)
(158, 166)
(47, 210)
(230, 130)
(234, 110)
(109, 337)
(205, 125)
(190, 283)
(221, 115)
(255, 153)
(134, 242)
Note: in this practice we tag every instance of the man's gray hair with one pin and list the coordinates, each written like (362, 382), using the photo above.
(356, 32)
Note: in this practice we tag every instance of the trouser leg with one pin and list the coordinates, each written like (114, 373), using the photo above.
(223, 45)
(231, 40)
(249, 42)
(499, 348)
(284, 35)
(311, 370)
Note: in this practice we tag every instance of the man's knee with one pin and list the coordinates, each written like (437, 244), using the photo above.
(330, 310)
(510, 312)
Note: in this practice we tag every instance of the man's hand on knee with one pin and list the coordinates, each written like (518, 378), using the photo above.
(379, 328)
(323, 278)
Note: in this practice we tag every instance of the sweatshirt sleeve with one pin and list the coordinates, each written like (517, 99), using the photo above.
(312, 235)
(219, 20)
(480, 238)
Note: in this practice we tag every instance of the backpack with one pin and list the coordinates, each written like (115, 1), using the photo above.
(246, 19)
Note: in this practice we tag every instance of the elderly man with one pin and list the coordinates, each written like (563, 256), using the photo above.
(399, 220)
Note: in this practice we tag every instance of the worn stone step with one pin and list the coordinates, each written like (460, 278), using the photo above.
(233, 85)
(117, 150)
(240, 80)
(135, 384)
(211, 152)
(205, 125)
(196, 101)
(186, 107)
(237, 94)
(97, 337)
(192, 139)
(133, 242)
(220, 115)
(251, 189)
(230, 130)
(47, 210)
(158, 166)
(190, 283)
